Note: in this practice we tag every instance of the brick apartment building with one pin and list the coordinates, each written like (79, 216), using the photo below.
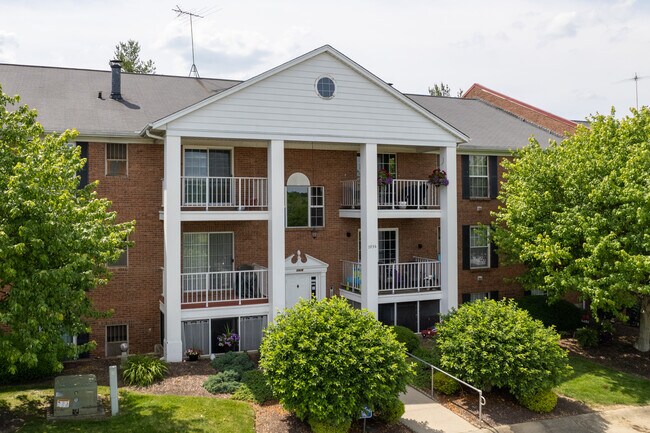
(250, 195)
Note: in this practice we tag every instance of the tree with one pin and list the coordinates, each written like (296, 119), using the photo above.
(489, 343)
(443, 90)
(578, 216)
(325, 361)
(129, 54)
(55, 241)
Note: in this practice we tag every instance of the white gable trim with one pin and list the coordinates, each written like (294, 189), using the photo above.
(162, 123)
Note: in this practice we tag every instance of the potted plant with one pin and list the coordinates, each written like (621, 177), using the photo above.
(384, 177)
(193, 354)
(228, 340)
(438, 177)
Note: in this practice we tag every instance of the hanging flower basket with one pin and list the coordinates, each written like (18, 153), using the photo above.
(384, 177)
(438, 177)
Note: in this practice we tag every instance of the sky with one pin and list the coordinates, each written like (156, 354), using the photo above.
(573, 58)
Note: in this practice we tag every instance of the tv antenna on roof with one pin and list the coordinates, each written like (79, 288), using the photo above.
(180, 12)
(636, 79)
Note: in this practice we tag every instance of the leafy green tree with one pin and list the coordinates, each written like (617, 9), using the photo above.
(55, 241)
(578, 216)
(129, 54)
(443, 90)
(493, 343)
(325, 361)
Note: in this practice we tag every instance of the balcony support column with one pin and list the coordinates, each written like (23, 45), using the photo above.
(448, 232)
(276, 242)
(172, 231)
(369, 229)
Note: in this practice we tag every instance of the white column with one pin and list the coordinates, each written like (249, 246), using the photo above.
(369, 229)
(172, 226)
(276, 226)
(449, 232)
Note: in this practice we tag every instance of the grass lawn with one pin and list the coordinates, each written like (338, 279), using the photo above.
(595, 384)
(138, 413)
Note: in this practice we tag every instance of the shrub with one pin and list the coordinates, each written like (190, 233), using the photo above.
(489, 343)
(587, 337)
(225, 382)
(325, 360)
(143, 370)
(254, 388)
(236, 361)
(407, 337)
(325, 427)
(561, 313)
(541, 402)
(445, 384)
(429, 355)
(390, 410)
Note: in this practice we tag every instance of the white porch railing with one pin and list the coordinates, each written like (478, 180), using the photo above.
(400, 194)
(420, 275)
(238, 192)
(227, 286)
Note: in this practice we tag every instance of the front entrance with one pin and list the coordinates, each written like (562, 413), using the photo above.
(300, 286)
(304, 278)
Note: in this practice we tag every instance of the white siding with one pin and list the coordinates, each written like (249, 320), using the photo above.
(286, 105)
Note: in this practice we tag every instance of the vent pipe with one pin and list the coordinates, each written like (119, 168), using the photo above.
(116, 79)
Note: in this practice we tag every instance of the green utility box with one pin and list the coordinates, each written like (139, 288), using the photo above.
(75, 395)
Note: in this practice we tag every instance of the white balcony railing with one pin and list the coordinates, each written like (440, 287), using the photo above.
(400, 194)
(228, 286)
(420, 275)
(224, 192)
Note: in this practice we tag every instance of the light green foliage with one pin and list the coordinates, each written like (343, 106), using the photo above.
(390, 410)
(577, 215)
(326, 427)
(225, 382)
(587, 337)
(254, 388)
(129, 54)
(445, 384)
(325, 361)
(143, 370)
(55, 241)
(407, 338)
(541, 402)
(235, 361)
(489, 343)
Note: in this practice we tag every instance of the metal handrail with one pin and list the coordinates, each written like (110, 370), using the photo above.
(481, 399)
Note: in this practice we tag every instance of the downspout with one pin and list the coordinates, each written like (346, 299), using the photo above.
(147, 131)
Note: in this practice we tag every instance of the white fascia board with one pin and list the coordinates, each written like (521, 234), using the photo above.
(218, 312)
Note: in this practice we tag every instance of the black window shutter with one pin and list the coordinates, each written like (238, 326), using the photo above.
(494, 257)
(494, 180)
(465, 298)
(465, 247)
(494, 294)
(83, 173)
(464, 169)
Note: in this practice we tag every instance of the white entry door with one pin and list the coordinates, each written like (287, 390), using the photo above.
(299, 286)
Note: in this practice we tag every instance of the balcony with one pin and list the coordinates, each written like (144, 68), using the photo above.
(209, 193)
(405, 197)
(214, 289)
(420, 275)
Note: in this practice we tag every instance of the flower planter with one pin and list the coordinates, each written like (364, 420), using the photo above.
(193, 357)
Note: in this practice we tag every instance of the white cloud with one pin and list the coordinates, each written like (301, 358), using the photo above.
(8, 47)
(562, 25)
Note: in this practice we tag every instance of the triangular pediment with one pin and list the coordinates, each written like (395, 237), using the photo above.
(305, 262)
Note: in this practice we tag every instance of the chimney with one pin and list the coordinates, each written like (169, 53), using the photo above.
(116, 80)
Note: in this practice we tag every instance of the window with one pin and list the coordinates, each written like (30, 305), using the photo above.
(116, 159)
(478, 176)
(207, 252)
(479, 247)
(122, 261)
(471, 297)
(325, 87)
(115, 336)
(388, 249)
(214, 164)
(305, 204)
(385, 161)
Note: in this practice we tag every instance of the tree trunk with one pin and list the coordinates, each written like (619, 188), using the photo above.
(643, 342)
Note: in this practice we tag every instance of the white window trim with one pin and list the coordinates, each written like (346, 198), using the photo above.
(126, 145)
(309, 207)
(486, 176)
(487, 237)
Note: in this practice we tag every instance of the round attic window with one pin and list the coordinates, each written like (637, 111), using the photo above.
(325, 87)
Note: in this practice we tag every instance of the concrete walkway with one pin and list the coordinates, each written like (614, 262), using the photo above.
(423, 415)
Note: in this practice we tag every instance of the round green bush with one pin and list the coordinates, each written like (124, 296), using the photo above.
(326, 360)
(390, 410)
(407, 337)
(254, 388)
(489, 343)
(587, 337)
(143, 370)
(236, 361)
(540, 402)
(561, 313)
(445, 384)
(325, 427)
(225, 382)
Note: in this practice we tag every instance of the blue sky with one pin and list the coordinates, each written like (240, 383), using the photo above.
(567, 57)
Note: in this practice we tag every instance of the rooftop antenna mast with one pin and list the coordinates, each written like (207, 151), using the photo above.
(180, 12)
(636, 79)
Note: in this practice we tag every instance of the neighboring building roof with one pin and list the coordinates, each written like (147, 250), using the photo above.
(488, 127)
(68, 98)
(550, 121)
